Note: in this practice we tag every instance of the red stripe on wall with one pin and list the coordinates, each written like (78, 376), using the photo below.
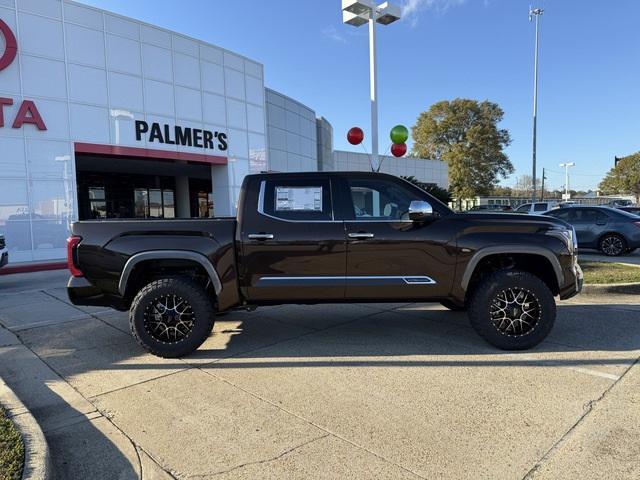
(136, 152)
(32, 267)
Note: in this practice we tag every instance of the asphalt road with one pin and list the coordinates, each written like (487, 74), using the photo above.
(332, 391)
(595, 256)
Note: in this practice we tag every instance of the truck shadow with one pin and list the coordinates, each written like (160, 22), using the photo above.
(286, 332)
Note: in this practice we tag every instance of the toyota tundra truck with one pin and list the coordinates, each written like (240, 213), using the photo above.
(326, 237)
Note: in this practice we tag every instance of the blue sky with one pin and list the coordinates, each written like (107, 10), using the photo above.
(589, 95)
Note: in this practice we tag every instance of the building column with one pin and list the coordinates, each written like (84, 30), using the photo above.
(183, 201)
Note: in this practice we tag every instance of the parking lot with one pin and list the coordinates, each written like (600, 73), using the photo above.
(329, 391)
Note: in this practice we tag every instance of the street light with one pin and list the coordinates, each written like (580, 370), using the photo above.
(118, 114)
(357, 13)
(566, 166)
(535, 12)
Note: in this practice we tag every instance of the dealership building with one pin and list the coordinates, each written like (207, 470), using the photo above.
(102, 116)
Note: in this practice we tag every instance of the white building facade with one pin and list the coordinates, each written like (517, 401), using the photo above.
(92, 101)
(103, 117)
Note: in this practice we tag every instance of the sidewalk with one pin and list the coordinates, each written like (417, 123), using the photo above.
(329, 391)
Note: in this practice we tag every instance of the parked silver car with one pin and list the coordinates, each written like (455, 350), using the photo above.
(612, 231)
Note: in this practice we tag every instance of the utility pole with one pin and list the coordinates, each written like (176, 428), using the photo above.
(535, 12)
(542, 189)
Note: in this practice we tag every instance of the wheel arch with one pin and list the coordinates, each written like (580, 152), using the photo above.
(157, 255)
(519, 252)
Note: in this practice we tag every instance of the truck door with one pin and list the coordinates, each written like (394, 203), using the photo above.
(293, 247)
(388, 255)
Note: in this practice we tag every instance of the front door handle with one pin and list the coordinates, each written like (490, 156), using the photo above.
(260, 236)
(361, 235)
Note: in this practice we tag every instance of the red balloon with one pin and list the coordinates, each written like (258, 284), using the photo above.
(355, 136)
(398, 149)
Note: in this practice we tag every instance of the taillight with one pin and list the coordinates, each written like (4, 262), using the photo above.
(72, 255)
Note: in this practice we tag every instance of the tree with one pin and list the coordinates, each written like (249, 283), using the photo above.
(440, 193)
(465, 134)
(624, 177)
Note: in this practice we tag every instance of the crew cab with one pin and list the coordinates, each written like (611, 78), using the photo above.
(330, 237)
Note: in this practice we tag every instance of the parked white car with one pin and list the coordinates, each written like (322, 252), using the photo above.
(537, 208)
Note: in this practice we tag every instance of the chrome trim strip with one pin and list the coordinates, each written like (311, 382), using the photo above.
(409, 279)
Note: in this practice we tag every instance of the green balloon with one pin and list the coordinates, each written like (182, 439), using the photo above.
(399, 134)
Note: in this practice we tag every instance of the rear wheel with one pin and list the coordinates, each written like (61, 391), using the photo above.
(171, 317)
(612, 245)
(454, 307)
(512, 310)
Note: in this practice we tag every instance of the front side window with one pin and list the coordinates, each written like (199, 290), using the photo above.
(540, 207)
(562, 214)
(523, 208)
(299, 200)
(380, 200)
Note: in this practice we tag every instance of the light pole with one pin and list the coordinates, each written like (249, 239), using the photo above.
(118, 114)
(535, 12)
(566, 179)
(357, 13)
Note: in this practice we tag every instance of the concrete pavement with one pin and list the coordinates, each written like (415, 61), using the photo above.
(330, 391)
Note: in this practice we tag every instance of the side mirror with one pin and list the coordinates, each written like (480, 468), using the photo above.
(420, 210)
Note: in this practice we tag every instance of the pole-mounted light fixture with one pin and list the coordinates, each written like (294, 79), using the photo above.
(356, 13)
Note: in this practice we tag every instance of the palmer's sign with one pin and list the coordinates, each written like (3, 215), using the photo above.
(185, 136)
(27, 112)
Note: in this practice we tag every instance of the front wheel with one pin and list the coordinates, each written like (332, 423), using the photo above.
(171, 317)
(612, 245)
(512, 310)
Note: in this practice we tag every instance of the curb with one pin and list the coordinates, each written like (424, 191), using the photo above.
(37, 460)
(611, 288)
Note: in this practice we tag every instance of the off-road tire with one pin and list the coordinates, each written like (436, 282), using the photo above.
(454, 307)
(488, 291)
(201, 306)
(620, 245)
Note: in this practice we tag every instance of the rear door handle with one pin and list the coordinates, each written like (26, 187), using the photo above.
(260, 236)
(361, 235)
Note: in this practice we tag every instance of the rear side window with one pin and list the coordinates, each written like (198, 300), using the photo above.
(297, 199)
(523, 208)
(589, 215)
(540, 207)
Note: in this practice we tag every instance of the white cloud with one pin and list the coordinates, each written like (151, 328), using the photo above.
(411, 8)
(333, 34)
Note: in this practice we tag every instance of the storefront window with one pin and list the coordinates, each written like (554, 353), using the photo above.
(141, 202)
(169, 204)
(155, 203)
(97, 202)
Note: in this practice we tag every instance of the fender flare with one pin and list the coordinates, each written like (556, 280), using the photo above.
(168, 255)
(498, 249)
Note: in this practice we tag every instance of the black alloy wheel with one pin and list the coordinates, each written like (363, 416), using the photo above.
(612, 245)
(512, 309)
(171, 317)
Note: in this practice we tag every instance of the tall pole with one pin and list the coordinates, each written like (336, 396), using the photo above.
(542, 187)
(535, 12)
(373, 76)
(566, 180)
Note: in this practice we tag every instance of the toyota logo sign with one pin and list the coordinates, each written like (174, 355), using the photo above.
(11, 46)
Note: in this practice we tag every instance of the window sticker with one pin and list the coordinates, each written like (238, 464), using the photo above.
(298, 199)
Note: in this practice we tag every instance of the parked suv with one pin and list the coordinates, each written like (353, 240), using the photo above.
(536, 208)
(326, 237)
(4, 253)
(610, 230)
